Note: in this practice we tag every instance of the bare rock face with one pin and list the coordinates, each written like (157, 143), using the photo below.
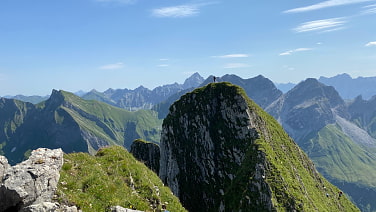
(203, 148)
(3, 166)
(31, 182)
(146, 152)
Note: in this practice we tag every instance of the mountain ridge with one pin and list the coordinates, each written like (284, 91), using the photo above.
(218, 139)
(69, 122)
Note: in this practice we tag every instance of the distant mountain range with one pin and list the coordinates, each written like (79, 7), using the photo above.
(338, 135)
(347, 87)
(141, 97)
(144, 98)
(69, 122)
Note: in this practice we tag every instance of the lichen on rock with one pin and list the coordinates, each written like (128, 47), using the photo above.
(31, 182)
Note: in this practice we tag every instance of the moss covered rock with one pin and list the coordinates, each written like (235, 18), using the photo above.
(221, 152)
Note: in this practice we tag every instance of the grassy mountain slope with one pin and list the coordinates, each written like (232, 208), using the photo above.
(69, 122)
(345, 164)
(292, 176)
(111, 123)
(112, 177)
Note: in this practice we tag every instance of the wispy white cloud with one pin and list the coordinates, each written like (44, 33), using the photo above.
(232, 56)
(370, 9)
(236, 65)
(163, 65)
(176, 11)
(289, 52)
(325, 4)
(324, 25)
(180, 11)
(112, 66)
(373, 43)
(164, 59)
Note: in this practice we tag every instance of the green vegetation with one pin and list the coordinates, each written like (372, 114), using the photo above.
(112, 177)
(109, 122)
(291, 175)
(347, 160)
(69, 122)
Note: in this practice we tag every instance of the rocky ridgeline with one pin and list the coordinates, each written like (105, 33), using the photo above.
(222, 152)
(205, 147)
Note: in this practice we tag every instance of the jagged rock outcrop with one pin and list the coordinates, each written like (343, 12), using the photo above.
(222, 152)
(31, 182)
(147, 152)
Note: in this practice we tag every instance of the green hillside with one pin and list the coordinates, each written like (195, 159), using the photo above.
(69, 122)
(292, 176)
(112, 177)
(116, 125)
(345, 164)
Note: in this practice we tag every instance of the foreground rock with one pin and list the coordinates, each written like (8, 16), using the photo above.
(31, 182)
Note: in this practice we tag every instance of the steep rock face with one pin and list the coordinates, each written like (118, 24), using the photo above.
(13, 114)
(221, 152)
(363, 113)
(147, 152)
(32, 181)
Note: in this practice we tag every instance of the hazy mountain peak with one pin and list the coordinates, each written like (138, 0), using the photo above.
(193, 81)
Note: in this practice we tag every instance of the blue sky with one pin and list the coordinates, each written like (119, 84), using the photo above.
(99, 44)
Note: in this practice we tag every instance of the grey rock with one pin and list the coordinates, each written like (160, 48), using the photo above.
(50, 207)
(121, 209)
(33, 181)
(3, 166)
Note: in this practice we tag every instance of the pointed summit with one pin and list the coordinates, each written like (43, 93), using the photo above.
(307, 108)
(221, 152)
(193, 81)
